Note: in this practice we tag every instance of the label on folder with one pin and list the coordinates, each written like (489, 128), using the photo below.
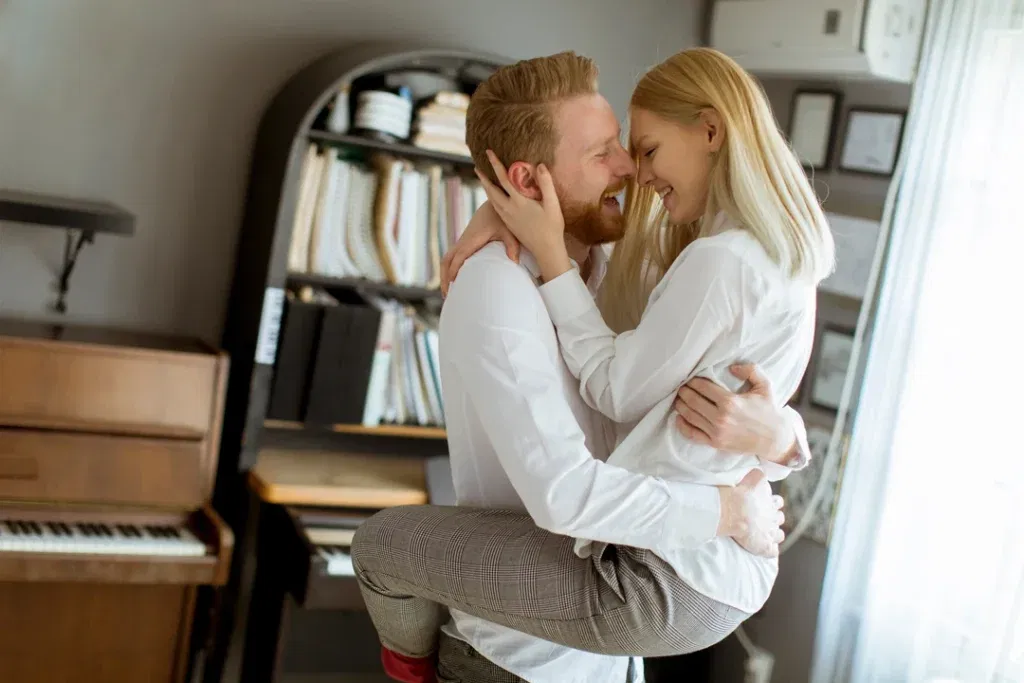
(270, 325)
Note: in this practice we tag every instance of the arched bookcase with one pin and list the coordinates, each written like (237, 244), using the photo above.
(294, 119)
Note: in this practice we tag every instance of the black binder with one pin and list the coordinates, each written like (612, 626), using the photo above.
(344, 360)
(300, 331)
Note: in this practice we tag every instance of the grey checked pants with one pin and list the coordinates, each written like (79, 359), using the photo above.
(414, 561)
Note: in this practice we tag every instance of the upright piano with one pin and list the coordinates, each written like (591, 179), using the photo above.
(108, 450)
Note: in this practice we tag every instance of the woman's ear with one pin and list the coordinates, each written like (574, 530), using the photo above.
(523, 177)
(714, 132)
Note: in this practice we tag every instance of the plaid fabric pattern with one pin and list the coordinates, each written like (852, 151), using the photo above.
(412, 561)
(458, 662)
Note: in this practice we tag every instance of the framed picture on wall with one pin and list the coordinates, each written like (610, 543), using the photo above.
(871, 144)
(812, 126)
(835, 348)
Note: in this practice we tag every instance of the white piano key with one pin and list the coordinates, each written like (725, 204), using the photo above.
(330, 536)
(98, 539)
(339, 561)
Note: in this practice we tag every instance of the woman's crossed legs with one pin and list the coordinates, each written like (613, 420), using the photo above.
(412, 562)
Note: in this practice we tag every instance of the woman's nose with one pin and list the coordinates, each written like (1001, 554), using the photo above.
(644, 176)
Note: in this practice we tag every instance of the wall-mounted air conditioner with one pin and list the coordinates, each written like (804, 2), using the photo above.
(835, 39)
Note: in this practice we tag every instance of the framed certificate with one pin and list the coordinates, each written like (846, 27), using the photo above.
(872, 141)
(835, 348)
(812, 126)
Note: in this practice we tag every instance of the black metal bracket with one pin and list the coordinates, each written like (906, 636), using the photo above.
(72, 247)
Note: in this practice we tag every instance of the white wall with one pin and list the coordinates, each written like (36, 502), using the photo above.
(153, 105)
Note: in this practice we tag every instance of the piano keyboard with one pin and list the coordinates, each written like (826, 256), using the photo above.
(25, 536)
(338, 558)
(333, 545)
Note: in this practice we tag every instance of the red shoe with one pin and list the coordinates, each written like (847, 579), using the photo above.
(408, 669)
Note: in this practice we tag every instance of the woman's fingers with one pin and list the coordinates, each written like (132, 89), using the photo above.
(498, 199)
(500, 173)
(549, 197)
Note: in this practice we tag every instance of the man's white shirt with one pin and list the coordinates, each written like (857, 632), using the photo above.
(521, 437)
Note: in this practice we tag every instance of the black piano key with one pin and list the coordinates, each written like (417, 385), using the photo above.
(85, 530)
(36, 529)
(105, 531)
(13, 527)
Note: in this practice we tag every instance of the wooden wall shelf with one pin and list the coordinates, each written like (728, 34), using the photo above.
(87, 216)
(64, 212)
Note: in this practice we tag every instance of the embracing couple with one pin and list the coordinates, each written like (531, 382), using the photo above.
(612, 421)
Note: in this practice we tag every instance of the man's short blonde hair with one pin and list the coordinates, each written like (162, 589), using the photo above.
(511, 112)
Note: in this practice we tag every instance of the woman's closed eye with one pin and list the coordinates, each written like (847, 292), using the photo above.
(650, 153)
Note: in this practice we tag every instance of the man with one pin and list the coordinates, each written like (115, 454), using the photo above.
(520, 436)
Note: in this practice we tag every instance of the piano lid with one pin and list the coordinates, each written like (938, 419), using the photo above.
(41, 330)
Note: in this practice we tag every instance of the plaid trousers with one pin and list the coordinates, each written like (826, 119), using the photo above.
(458, 662)
(413, 562)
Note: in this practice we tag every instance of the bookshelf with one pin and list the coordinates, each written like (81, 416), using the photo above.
(294, 119)
(251, 627)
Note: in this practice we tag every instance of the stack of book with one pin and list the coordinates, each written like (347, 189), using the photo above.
(441, 123)
(388, 220)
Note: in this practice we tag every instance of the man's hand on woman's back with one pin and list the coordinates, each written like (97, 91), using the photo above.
(744, 422)
(752, 515)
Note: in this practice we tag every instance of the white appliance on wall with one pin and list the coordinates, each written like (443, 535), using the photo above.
(836, 39)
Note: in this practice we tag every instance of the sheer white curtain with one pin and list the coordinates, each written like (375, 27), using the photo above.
(925, 578)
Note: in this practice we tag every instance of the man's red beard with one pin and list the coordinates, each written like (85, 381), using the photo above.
(588, 222)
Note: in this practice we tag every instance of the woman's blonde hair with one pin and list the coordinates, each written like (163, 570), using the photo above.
(756, 180)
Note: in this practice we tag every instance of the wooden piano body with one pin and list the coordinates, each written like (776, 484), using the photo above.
(108, 450)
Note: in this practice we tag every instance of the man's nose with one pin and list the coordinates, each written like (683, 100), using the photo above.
(624, 166)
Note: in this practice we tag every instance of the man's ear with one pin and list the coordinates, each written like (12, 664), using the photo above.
(714, 131)
(523, 177)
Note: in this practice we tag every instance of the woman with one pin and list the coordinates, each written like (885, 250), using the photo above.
(725, 270)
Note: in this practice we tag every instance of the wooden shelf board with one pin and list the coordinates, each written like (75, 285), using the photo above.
(396, 148)
(409, 431)
(325, 478)
(64, 212)
(383, 288)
